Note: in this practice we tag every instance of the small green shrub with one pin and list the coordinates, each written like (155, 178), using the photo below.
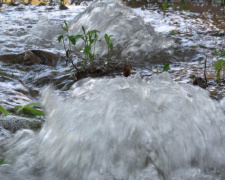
(89, 38)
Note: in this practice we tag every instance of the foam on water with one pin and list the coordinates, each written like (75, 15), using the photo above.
(131, 36)
(123, 128)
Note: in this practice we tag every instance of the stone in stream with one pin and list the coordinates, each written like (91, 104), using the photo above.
(32, 57)
(14, 123)
(63, 7)
(200, 82)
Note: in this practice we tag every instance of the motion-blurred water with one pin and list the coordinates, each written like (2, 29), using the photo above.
(123, 129)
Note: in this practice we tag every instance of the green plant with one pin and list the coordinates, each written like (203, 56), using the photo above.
(4, 111)
(220, 52)
(89, 38)
(215, 52)
(219, 65)
(71, 39)
(28, 109)
(165, 5)
(192, 76)
(173, 33)
(109, 46)
(2, 160)
(166, 67)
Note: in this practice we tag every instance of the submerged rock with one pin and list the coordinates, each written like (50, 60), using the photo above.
(14, 123)
(31, 57)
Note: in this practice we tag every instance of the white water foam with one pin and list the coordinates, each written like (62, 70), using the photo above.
(131, 36)
(123, 128)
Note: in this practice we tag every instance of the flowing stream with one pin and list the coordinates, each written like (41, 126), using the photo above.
(123, 128)
(135, 128)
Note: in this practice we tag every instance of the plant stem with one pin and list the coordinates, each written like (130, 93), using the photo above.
(205, 71)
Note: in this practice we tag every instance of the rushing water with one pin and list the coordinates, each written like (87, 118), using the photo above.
(123, 129)
(114, 128)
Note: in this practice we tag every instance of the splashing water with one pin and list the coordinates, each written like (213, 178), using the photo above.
(123, 129)
(131, 36)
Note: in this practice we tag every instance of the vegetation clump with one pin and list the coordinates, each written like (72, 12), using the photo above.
(90, 62)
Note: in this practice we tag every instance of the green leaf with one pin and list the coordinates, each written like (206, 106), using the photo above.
(4, 111)
(60, 38)
(215, 52)
(66, 28)
(93, 32)
(192, 76)
(87, 49)
(165, 4)
(83, 29)
(218, 75)
(2, 160)
(91, 41)
(91, 56)
(110, 45)
(219, 65)
(107, 38)
(222, 53)
(72, 39)
(79, 37)
(27, 108)
(166, 67)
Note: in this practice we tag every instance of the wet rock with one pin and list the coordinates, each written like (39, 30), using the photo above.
(14, 123)
(200, 82)
(63, 7)
(42, 4)
(13, 4)
(127, 70)
(31, 57)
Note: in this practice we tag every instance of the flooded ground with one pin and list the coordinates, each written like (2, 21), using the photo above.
(147, 126)
(197, 29)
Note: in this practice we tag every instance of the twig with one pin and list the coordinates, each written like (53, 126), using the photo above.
(205, 71)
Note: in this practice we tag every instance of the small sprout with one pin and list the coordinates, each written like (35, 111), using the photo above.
(165, 4)
(173, 33)
(166, 67)
(215, 52)
(192, 76)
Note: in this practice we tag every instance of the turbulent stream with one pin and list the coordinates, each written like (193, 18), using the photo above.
(113, 128)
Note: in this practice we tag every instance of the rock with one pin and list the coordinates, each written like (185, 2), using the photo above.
(63, 7)
(42, 4)
(200, 82)
(127, 70)
(31, 57)
(14, 123)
